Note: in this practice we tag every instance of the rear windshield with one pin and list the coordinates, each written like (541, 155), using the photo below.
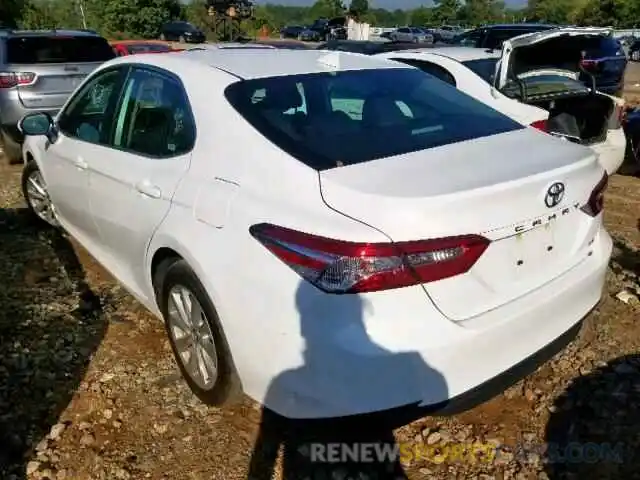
(30, 50)
(147, 47)
(602, 47)
(334, 119)
(484, 67)
(545, 87)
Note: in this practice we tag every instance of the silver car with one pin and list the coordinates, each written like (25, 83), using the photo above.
(411, 34)
(38, 72)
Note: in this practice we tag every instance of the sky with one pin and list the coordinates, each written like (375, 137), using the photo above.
(388, 4)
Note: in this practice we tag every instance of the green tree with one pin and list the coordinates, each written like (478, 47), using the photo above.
(359, 8)
(11, 12)
(326, 9)
(477, 12)
(142, 18)
(554, 11)
(421, 16)
(446, 11)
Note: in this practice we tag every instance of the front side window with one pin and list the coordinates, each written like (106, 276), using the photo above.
(327, 120)
(154, 117)
(89, 114)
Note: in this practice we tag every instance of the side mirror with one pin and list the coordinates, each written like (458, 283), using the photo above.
(36, 124)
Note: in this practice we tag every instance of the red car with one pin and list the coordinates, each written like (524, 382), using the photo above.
(132, 47)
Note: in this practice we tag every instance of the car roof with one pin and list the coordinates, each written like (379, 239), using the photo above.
(461, 54)
(521, 25)
(49, 33)
(250, 63)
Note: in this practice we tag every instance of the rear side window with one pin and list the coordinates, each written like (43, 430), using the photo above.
(430, 68)
(484, 68)
(333, 119)
(37, 49)
(154, 116)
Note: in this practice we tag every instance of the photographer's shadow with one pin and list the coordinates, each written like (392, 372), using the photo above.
(343, 370)
(51, 323)
(594, 431)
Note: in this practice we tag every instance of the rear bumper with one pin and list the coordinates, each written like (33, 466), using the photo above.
(411, 358)
(611, 152)
(611, 88)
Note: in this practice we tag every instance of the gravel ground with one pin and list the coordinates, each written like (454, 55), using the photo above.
(89, 390)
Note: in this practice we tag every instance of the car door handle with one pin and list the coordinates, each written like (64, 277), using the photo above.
(148, 189)
(81, 164)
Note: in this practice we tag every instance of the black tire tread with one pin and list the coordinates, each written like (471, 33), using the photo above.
(28, 169)
(227, 389)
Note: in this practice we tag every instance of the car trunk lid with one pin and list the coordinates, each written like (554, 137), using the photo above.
(54, 66)
(562, 49)
(467, 188)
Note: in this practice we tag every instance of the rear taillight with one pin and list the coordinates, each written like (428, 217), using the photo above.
(589, 64)
(13, 79)
(336, 266)
(540, 125)
(596, 200)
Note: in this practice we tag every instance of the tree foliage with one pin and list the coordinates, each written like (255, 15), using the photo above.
(143, 18)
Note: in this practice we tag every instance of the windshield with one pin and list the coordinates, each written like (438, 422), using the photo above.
(333, 119)
(42, 49)
(484, 67)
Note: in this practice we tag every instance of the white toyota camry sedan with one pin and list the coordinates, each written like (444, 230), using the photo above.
(329, 233)
(536, 79)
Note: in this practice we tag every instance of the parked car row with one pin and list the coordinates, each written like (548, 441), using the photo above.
(321, 271)
(321, 30)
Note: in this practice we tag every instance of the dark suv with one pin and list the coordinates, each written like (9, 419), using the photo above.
(38, 72)
(492, 36)
(183, 32)
(605, 59)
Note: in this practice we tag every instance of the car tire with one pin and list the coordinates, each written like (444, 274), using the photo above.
(174, 276)
(42, 211)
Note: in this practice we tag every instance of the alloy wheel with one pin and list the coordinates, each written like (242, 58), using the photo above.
(192, 337)
(39, 200)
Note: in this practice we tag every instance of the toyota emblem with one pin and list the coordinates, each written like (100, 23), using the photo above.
(554, 195)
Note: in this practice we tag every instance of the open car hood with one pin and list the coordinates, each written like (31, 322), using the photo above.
(556, 52)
